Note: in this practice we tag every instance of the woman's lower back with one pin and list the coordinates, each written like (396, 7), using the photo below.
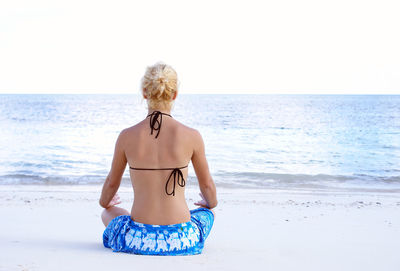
(152, 205)
(157, 210)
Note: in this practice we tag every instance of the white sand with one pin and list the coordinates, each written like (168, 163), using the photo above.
(59, 228)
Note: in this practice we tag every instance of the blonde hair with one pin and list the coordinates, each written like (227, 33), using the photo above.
(159, 84)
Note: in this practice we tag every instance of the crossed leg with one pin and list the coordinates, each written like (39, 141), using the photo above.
(112, 212)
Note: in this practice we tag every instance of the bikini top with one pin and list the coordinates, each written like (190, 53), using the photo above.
(176, 173)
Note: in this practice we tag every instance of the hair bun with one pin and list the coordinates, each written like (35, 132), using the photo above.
(159, 84)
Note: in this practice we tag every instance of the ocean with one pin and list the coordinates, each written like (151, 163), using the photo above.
(326, 142)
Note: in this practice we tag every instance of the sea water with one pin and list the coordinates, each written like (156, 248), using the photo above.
(257, 141)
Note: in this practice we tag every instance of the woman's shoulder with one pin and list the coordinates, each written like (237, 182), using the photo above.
(192, 136)
(134, 128)
(127, 133)
(189, 130)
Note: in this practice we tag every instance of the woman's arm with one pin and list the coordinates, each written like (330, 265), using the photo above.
(200, 165)
(113, 179)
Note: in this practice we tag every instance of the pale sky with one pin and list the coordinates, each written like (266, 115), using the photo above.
(282, 46)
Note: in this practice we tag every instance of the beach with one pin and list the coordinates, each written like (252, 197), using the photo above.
(304, 182)
(59, 228)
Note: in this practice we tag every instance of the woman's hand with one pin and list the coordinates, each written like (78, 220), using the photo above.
(114, 201)
(202, 203)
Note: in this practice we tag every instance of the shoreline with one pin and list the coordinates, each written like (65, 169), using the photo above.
(237, 189)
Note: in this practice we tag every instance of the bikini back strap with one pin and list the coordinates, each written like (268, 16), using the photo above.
(166, 168)
(176, 175)
(156, 121)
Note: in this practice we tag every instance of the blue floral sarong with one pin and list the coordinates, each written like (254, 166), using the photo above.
(125, 235)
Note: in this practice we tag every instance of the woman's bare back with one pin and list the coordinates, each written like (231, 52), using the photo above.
(173, 147)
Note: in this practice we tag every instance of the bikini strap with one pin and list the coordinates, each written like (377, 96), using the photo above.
(176, 175)
(167, 168)
(156, 121)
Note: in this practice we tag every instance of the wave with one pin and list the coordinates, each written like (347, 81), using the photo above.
(305, 181)
(51, 180)
(306, 177)
(236, 180)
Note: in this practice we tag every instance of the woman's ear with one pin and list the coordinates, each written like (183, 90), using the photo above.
(176, 93)
(144, 95)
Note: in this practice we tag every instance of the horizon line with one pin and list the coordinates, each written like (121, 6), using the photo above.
(208, 93)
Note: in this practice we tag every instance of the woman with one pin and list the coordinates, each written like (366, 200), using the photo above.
(158, 150)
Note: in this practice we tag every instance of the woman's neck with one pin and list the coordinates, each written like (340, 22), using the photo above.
(165, 111)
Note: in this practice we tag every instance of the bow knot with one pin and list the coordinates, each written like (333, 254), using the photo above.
(156, 121)
(177, 175)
